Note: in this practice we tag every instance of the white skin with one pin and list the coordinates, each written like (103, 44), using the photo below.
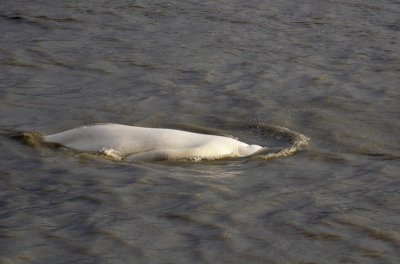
(140, 143)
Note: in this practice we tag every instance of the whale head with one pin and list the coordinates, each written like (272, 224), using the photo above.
(246, 150)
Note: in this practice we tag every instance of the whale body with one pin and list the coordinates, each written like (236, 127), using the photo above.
(141, 143)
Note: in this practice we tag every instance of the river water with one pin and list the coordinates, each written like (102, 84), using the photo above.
(327, 69)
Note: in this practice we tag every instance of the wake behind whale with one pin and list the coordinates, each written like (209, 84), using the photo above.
(132, 143)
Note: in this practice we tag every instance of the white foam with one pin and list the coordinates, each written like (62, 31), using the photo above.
(112, 153)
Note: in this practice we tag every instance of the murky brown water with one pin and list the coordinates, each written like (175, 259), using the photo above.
(328, 69)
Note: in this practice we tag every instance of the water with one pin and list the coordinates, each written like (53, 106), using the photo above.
(328, 69)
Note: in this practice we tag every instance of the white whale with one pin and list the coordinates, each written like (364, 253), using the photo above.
(140, 143)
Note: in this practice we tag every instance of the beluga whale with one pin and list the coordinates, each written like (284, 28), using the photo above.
(133, 143)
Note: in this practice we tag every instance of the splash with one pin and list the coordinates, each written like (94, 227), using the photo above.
(297, 141)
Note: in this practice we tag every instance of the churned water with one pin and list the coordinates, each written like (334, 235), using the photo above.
(327, 69)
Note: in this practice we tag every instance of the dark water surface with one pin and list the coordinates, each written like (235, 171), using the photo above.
(329, 69)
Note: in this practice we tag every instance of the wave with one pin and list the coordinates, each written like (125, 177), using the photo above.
(296, 140)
